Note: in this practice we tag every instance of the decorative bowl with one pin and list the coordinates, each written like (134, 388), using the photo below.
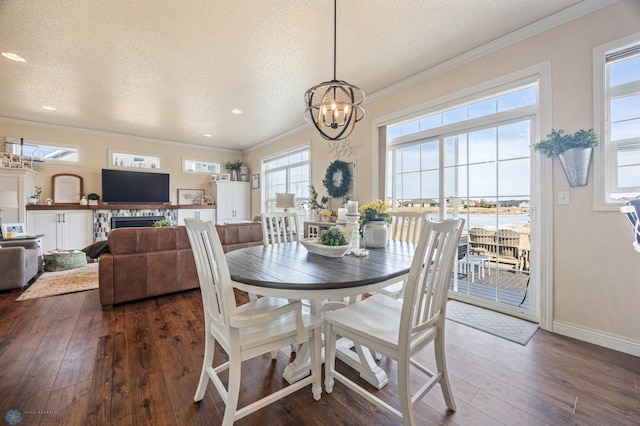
(313, 246)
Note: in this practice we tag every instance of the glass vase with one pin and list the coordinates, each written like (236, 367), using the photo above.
(375, 234)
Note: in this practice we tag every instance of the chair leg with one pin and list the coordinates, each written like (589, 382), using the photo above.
(438, 346)
(233, 391)
(209, 346)
(404, 391)
(329, 357)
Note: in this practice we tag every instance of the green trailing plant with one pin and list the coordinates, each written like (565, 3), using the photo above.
(164, 223)
(333, 237)
(314, 204)
(37, 190)
(558, 142)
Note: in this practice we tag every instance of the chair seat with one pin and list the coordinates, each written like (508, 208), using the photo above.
(283, 327)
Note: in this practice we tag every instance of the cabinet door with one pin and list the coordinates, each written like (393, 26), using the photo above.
(183, 214)
(77, 229)
(242, 202)
(45, 223)
(208, 214)
(225, 202)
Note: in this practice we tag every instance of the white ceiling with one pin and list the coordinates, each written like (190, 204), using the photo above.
(174, 69)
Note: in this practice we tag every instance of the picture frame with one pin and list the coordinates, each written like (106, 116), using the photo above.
(67, 188)
(27, 165)
(190, 197)
(255, 181)
(225, 176)
(11, 230)
(215, 177)
(5, 163)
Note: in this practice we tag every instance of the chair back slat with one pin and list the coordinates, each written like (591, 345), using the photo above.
(426, 289)
(406, 226)
(280, 227)
(213, 273)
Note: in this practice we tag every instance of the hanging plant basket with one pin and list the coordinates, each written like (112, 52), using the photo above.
(575, 163)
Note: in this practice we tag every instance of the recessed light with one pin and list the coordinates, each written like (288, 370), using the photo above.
(13, 57)
(48, 108)
(236, 111)
(207, 135)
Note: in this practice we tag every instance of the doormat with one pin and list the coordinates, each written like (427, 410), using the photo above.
(62, 282)
(501, 325)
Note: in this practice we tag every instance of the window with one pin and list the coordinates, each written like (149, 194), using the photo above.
(196, 166)
(617, 79)
(287, 173)
(44, 151)
(134, 160)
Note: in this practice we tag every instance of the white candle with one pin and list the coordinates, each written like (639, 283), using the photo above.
(352, 206)
(342, 214)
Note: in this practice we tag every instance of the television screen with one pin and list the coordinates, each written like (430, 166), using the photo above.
(125, 187)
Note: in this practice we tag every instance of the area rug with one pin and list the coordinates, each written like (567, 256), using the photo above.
(55, 283)
(501, 325)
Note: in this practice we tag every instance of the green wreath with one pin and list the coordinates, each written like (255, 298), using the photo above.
(337, 191)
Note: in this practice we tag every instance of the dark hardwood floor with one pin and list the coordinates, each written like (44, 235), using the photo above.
(65, 361)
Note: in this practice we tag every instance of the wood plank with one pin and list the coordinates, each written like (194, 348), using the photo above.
(139, 362)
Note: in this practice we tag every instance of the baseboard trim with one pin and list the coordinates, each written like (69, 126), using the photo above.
(627, 346)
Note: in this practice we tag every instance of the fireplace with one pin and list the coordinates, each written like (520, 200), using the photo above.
(134, 221)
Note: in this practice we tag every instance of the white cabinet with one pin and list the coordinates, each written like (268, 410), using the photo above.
(21, 181)
(202, 214)
(233, 201)
(62, 229)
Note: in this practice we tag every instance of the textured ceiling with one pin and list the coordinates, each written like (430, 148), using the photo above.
(174, 69)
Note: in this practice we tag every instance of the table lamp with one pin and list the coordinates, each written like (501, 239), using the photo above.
(8, 200)
(285, 201)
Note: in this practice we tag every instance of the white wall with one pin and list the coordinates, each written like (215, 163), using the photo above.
(596, 273)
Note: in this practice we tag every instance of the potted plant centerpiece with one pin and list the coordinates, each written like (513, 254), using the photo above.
(316, 206)
(573, 150)
(234, 167)
(332, 243)
(373, 224)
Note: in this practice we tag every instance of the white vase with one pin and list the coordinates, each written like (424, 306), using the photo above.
(375, 234)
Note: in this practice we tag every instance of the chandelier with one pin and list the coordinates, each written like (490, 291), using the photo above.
(334, 106)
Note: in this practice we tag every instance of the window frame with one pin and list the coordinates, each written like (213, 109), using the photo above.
(15, 149)
(605, 154)
(214, 163)
(112, 152)
(300, 201)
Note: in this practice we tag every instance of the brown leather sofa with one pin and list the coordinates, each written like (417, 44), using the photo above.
(148, 262)
(234, 236)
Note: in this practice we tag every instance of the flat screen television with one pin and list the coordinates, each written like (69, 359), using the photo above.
(125, 187)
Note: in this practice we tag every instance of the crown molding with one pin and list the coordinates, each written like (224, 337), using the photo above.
(20, 122)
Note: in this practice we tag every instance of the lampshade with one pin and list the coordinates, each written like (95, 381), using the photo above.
(9, 199)
(334, 106)
(285, 201)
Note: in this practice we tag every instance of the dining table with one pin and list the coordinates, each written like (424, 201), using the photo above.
(289, 271)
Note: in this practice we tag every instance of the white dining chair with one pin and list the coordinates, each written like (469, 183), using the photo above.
(399, 329)
(280, 227)
(244, 332)
(405, 226)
